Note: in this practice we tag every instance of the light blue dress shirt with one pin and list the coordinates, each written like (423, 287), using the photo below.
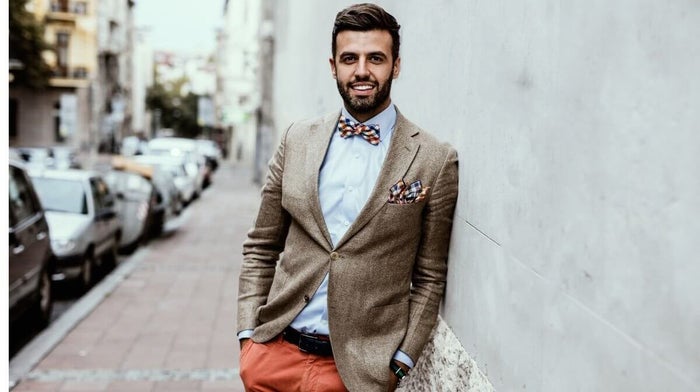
(348, 175)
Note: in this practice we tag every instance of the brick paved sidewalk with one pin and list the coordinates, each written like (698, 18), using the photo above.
(170, 324)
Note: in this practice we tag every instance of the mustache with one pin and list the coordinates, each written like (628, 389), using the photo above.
(366, 79)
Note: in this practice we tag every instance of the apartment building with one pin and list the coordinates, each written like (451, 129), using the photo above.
(114, 82)
(87, 103)
(60, 113)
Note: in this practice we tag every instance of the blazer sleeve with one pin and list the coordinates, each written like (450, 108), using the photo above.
(264, 243)
(430, 269)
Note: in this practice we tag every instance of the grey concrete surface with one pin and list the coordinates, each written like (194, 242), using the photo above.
(573, 259)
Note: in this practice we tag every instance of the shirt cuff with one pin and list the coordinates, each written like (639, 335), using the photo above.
(245, 334)
(400, 356)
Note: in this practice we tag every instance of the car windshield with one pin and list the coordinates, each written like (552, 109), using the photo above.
(61, 195)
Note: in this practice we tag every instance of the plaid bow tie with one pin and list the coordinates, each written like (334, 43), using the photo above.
(350, 128)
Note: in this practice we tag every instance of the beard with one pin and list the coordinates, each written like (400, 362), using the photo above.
(364, 105)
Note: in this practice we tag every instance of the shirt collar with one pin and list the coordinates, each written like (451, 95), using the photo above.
(386, 120)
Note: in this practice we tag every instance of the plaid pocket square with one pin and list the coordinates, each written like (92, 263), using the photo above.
(399, 193)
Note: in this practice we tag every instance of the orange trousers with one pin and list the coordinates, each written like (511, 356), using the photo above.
(279, 366)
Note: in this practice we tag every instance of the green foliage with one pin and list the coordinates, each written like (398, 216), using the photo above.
(176, 112)
(26, 45)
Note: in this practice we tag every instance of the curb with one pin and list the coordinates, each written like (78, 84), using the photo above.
(30, 355)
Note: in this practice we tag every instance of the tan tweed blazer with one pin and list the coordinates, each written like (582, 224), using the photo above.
(387, 274)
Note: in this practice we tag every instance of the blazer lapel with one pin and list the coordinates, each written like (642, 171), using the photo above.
(401, 153)
(319, 140)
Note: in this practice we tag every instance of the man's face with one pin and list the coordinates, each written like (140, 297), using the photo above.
(363, 69)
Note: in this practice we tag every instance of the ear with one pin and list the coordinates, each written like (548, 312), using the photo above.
(332, 63)
(397, 68)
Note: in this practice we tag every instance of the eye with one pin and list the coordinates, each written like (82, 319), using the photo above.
(347, 59)
(375, 58)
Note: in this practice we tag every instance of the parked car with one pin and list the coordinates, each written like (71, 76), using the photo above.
(187, 151)
(85, 229)
(136, 201)
(168, 203)
(64, 157)
(212, 155)
(133, 145)
(30, 259)
(36, 157)
(186, 184)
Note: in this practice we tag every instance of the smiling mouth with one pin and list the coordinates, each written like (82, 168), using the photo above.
(362, 87)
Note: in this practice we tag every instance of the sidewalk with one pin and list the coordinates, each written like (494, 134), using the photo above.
(169, 323)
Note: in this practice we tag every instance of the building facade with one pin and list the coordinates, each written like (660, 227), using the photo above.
(87, 102)
(238, 96)
(60, 113)
(113, 105)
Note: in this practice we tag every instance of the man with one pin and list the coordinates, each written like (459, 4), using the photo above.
(360, 202)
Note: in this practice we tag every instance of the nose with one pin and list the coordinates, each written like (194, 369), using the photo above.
(361, 71)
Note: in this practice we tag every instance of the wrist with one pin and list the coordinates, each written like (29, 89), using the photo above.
(398, 369)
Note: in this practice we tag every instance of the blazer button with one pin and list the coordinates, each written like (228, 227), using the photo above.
(306, 299)
(335, 256)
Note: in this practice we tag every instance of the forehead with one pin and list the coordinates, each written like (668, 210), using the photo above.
(349, 41)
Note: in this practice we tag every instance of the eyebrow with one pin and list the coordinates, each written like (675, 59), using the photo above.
(376, 53)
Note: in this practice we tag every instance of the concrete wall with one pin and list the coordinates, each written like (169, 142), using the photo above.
(574, 257)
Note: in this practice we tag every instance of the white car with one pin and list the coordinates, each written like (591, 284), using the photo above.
(185, 183)
(188, 151)
(85, 229)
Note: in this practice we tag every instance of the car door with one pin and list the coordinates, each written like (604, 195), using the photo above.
(29, 241)
(105, 215)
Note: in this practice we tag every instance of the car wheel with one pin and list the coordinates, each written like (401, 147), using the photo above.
(131, 248)
(44, 302)
(87, 271)
(157, 228)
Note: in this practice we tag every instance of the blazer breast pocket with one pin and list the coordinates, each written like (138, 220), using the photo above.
(399, 218)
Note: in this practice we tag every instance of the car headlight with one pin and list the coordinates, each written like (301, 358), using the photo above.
(63, 245)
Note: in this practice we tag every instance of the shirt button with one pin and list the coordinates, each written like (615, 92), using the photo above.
(335, 256)
(357, 156)
(346, 223)
(350, 189)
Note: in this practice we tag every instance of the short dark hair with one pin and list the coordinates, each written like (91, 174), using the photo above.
(367, 17)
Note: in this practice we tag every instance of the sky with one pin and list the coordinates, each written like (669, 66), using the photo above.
(183, 26)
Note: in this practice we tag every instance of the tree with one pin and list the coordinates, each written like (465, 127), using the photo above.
(176, 112)
(26, 46)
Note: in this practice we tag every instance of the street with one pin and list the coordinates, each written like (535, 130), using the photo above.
(169, 322)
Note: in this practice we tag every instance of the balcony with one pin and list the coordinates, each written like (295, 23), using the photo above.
(74, 77)
(64, 11)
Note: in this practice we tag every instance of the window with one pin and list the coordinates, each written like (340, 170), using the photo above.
(61, 195)
(62, 40)
(57, 122)
(101, 195)
(80, 8)
(22, 204)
